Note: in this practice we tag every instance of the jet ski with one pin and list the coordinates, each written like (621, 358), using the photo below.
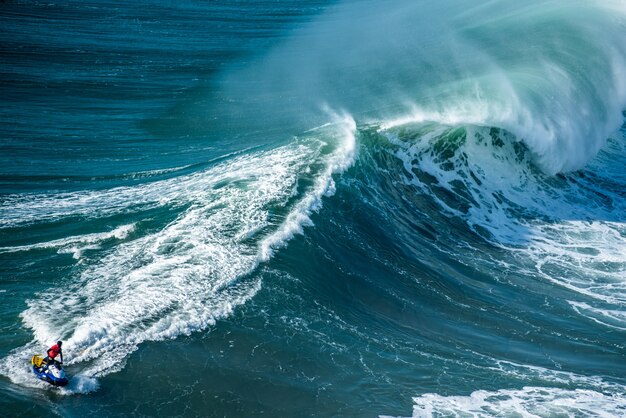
(51, 373)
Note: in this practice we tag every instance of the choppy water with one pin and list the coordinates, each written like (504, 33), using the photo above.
(314, 208)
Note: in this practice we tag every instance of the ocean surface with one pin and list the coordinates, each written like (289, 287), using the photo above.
(314, 208)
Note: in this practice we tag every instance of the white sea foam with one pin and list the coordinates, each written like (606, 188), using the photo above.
(590, 396)
(589, 259)
(612, 318)
(525, 402)
(561, 393)
(25, 209)
(324, 186)
(76, 244)
(194, 271)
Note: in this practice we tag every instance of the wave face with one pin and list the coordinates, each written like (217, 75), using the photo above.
(515, 241)
(348, 209)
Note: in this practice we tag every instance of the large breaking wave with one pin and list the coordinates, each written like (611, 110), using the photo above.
(552, 73)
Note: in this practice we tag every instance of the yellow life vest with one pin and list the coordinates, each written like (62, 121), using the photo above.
(37, 360)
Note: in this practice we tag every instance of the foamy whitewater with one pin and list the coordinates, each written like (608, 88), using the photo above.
(181, 278)
(354, 208)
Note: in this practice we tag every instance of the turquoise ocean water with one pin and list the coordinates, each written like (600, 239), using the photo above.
(314, 208)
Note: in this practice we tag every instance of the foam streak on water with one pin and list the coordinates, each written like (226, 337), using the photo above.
(526, 402)
(76, 244)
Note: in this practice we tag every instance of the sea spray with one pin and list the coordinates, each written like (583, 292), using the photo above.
(552, 73)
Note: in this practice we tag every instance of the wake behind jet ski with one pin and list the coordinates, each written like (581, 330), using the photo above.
(51, 373)
(49, 369)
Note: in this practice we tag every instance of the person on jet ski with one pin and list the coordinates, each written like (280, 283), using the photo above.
(53, 352)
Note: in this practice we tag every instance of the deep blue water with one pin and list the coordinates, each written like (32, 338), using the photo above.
(314, 208)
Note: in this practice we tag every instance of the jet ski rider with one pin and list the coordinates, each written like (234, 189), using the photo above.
(54, 351)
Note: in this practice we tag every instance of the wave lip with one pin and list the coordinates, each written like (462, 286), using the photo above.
(341, 160)
(552, 73)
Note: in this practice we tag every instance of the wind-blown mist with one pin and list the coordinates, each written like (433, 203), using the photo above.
(553, 73)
